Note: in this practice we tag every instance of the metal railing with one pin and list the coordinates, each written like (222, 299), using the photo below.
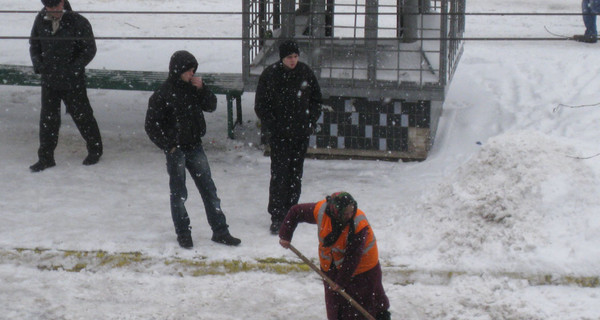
(367, 47)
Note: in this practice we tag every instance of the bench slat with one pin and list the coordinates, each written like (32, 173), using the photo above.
(229, 84)
(220, 83)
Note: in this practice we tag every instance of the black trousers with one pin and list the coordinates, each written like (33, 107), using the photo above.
(78, 106)
(287, 165)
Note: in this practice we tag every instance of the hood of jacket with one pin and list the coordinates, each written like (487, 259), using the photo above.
(67, 6)
(181, 61)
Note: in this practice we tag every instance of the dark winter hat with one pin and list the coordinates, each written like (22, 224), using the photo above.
(181, 61)
(50, 3)
(288, 47)
(338, 202)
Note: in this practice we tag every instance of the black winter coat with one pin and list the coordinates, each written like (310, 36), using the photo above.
(175, 115)
(61, 58)
(288, 102)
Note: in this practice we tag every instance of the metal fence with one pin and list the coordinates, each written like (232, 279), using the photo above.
(366, 48)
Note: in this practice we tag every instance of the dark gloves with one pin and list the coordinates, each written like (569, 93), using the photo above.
(311, 129)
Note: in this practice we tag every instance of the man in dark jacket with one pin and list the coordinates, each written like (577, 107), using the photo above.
(61, 45)
(175, 123)
(288, 103)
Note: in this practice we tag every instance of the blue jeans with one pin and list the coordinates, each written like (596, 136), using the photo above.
(196, 163)
(590, 8)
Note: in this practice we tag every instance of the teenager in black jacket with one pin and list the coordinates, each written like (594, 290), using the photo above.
(61, 45)
(288, 103)
(175, 123)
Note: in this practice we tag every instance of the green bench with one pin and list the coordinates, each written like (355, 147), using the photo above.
(228, 84)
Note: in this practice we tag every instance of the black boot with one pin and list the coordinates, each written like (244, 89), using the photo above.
(92, 158)
(383, 315)
(41, 165)
(185, 240)
(275, 225)
(226, 238)
(585, 38)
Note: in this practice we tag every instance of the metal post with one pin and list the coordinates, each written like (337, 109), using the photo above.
(317, 19)
(246, 49)
(317, 25)
(444, 44)
(371, 27)
(410, 19)
(288, 19)
(399, 18)
(329, 18)
(276, 15)
(230, 123)
(262, 21)
(425, 6)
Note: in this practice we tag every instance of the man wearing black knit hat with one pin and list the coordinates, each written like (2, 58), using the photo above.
(288, 104)
(61, 46)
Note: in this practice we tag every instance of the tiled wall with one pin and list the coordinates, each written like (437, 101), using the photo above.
(356, 123)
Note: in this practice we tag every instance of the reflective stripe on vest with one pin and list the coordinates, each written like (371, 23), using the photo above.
(336, 253)
(325, 256)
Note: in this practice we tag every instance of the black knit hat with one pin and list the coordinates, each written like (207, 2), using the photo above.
(50, 3)
(288, 47)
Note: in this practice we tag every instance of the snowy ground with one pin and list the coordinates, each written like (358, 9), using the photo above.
(500, 222)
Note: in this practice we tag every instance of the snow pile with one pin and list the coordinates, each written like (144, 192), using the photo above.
(522, 191)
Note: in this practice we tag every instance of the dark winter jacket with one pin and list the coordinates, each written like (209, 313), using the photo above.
(61, 57)
(175, 115)
(288, 102)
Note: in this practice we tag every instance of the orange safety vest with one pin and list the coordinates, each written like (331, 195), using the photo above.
(336, 253)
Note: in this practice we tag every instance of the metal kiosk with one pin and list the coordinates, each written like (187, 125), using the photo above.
(384, 67)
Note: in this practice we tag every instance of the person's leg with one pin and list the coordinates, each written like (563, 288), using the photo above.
(78, 105)
(589, 17)
(367, 290)
(49, 128)
(331, 302)
(178, 195)
(279, 187)
(297, 169)
(595, 10)
(197, 164)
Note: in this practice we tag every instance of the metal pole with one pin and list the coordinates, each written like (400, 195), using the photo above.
(410, 20)
(371, 33)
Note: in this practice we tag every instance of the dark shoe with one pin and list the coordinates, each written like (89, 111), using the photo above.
(91, 159)
(42, 165)
(185, 240)
(584, 38)
(383, 315)
(226, 239)
(275, 225)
